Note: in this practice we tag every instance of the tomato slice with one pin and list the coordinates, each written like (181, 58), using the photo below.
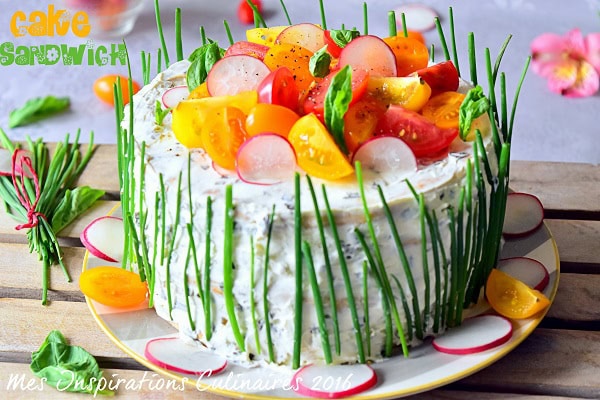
(295, 58)
(332, 46)
(245, 13)
(270, 118)
(247, 48)
(279, 87)
(223, 135)
(266, 36)
(512, 298)
(360, 121)
(442, 77)
(316, 151)
(314, 102)
(410, 92)
(411, 54)
(113, 286)
(422, 136)
(443, 109)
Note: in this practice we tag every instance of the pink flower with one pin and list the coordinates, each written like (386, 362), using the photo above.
(571, 63)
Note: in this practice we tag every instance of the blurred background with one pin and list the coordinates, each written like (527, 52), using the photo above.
(547, 127)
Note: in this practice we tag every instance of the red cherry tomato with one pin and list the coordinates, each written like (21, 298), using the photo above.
(315, 100)
(245, 13)
(104, 88)
(332, 46)
(421, 135)
(442, 77)
(279, 87)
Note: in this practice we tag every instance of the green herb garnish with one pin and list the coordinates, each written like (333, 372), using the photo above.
(342, 37)
(160, 113)
(202, 59)
(73, 204)
(473, 106)
(37, 109)
(319, 63)
(67, 368)
(299, 298)
(337, 101)
(266, 309)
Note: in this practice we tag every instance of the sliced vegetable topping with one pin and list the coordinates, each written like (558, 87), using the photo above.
(103, 237)
(443, 109)
(410, 92)
(176, 355)
(371, 54)
(512, 298)
(113, 286)
(411, 55)
(309, 36)
(223, 134)
(270, 118)
(235, 74)
(266, 159)
(295, 57)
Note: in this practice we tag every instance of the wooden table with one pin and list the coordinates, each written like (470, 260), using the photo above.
(561, 359)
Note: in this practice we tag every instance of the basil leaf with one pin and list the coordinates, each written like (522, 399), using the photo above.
(337, 101)
(36, 109)
(342, 37)
(202, 59)
(160, 114)
(319, 63)
(67, 368)
(474, 105)
(74, 203)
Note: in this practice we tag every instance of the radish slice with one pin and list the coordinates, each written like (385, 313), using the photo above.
(104, 238)
(371, 54)
(266, 159)
(173, 96)
(524, 214)
(235, 74)
(419, 17)
(333, 381)
(475, 335)
(529, 271)
(176, 355)
(386, 154)
(309, 36)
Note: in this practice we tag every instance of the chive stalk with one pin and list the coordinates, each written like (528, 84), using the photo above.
(178, 40)
(192, 242)
(266, 308)
(285, 12)
(472, 58)
(252, 301)
(404, 29)
(392, 28)
(228, 31)
(365, 294)
(172, 245)
(453, 39)
(298, 274)
(186, 289)
(365, 18)
(443, 42)
(207, 262)
(323, 18)
(160, 33)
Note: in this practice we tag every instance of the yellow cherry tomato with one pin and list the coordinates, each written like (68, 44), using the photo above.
(295, 58)
(223, 134)
(360, 121)
(113, 286)
(443, 109)
(104, 88)
(265, 117)
(410, 92)
(199, 92)
(264, 36)
(512, 298)
(316, 151)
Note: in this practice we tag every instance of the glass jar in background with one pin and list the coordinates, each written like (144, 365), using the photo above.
(109, 19)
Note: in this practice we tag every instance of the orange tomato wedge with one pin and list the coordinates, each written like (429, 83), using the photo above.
(443, 109)
(295, 58)
(411, 54)
(512, 298)
(223, 134)
(317, 153)
(270, 118)
(113, 286)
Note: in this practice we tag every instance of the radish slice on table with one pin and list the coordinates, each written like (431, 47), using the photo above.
(173, 96)
(333, 381)
(235, 74)
(309, 36)
(103, 237)
(529, 271)
(176, 355)
(386, 154)
(371, 54)
(524, 214)
(266, 159)
(419, 17)
(475, 335)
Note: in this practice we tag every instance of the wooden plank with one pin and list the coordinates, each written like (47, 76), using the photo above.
(102, 171)
(577, 241)
(560, 186)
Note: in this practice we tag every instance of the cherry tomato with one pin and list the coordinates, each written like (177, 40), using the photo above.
(223, 134)
(104, 88)
(200, 92)
(279, 88)
(245, 12)
(315, 100)
(113, 286)
(295, 58)
(332, 46)
(316, 151)
(512, 298)
(410, 92)
(247, 48)
(422, 136)
(411, 54)
(360, 122)
(272, 118)
(442, 77)
(417, 36)
(443, 109)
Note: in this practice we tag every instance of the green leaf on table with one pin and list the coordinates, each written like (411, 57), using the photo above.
(319, 63)
(473, 106)
(337, 101)
(73, 204)
(37, 109)
(67, 368)
(202, 59)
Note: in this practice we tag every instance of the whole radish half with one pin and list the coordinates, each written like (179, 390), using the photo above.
(524, 214)
(371, 54)
(418, 17)
(333, 381)
(475, 335)
(177, 355)
(266, 159)
(529, 271)
(309, 36)
(174, 95)
(235, 74)
(104, 238)
(386, 154)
